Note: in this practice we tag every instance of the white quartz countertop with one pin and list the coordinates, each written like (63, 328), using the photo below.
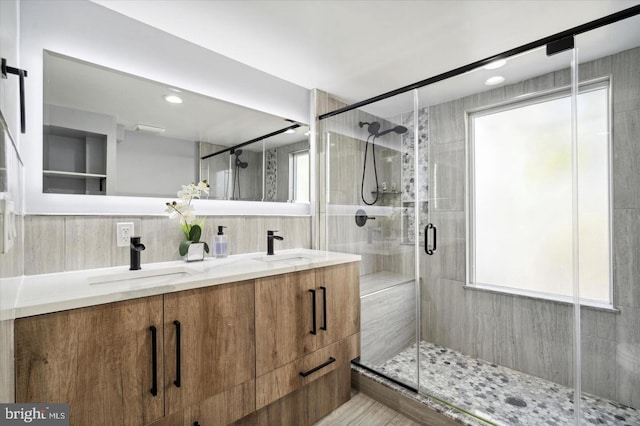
(41, 294)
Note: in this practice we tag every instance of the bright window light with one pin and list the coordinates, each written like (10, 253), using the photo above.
(521, 197)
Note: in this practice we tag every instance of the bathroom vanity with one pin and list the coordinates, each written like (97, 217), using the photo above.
(247, 339)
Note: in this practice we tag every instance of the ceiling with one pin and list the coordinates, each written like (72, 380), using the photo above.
(359, 49)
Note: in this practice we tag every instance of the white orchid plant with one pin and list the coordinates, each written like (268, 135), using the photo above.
(191, 226)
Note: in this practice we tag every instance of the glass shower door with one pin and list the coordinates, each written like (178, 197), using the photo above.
(497, 270)
(609, 73)
(370, 188)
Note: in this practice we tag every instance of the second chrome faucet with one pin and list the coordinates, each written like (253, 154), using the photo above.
(270, 238)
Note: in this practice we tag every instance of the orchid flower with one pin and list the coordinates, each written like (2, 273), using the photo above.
(191, 227)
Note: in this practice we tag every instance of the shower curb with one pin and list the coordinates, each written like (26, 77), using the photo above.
(419, 408)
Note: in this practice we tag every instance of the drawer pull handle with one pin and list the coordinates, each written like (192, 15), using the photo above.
(313, 311)
(177, 380)
(313, 370)
(324, 309)
(154, 361)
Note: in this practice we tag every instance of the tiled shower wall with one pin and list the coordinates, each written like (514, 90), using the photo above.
(534, 335)
(415, 190)
(69, 243)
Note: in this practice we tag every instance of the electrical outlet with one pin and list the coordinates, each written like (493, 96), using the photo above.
(124, 232)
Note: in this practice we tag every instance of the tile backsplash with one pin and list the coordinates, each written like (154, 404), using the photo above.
(69, 243)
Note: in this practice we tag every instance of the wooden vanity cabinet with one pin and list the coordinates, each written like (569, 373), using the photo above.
(339, 294)
(98, 359)
(275, 350)
(286, 327)
(215, 351)
(307, 325)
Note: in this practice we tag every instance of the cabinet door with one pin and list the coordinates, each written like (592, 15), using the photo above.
(215, 350)
(338, 293)
(284, 319)
(97, 359)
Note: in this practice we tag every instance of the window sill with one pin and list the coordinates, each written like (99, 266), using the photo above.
(586, 304)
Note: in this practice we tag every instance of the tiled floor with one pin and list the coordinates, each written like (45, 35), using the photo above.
(499, 394)
(362, 410)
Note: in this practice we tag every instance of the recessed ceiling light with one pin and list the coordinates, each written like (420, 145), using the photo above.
(307, 133)
(495, 64)
(173, 99)
(492, 81)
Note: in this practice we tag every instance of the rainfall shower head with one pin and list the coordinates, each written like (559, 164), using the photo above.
(237, 152)
(374, 129)
(398, 129)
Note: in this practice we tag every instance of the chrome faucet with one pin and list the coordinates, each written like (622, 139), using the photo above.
(270, 238)
(135, 247)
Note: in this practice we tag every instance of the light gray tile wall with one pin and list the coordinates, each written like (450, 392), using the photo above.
(388, 323)
(68, 243)
(345, 164)
(536, 336)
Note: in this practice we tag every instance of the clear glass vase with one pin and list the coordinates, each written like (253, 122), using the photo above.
(195, 252)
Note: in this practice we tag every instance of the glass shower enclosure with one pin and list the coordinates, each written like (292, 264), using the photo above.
(496, 214)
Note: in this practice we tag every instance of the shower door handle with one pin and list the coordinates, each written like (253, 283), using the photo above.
(427, 249)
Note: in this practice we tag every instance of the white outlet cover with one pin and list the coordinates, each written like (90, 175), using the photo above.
(124, 232)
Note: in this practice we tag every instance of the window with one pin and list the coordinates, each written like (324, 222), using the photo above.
(521, 237)
(299, 176)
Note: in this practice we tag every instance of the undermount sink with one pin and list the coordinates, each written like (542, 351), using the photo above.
(142, 276)
(285, 258)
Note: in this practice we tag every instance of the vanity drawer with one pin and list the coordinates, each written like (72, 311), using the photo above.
(294, 375)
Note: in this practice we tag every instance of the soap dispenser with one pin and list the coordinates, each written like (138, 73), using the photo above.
(220, 243)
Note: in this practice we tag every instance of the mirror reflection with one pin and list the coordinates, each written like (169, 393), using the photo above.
(275, 168)
(106, 132)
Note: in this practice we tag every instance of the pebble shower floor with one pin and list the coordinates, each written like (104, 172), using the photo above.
(499, 394)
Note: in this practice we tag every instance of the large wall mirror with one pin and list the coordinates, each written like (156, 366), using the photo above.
(110, 133)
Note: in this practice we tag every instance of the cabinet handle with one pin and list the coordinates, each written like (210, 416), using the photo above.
(313, 370)
(324, 309)
(313, 311)
(177, 380)
(154, 361)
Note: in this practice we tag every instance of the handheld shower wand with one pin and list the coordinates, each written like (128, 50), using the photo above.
(239, 164)
(374, 132)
